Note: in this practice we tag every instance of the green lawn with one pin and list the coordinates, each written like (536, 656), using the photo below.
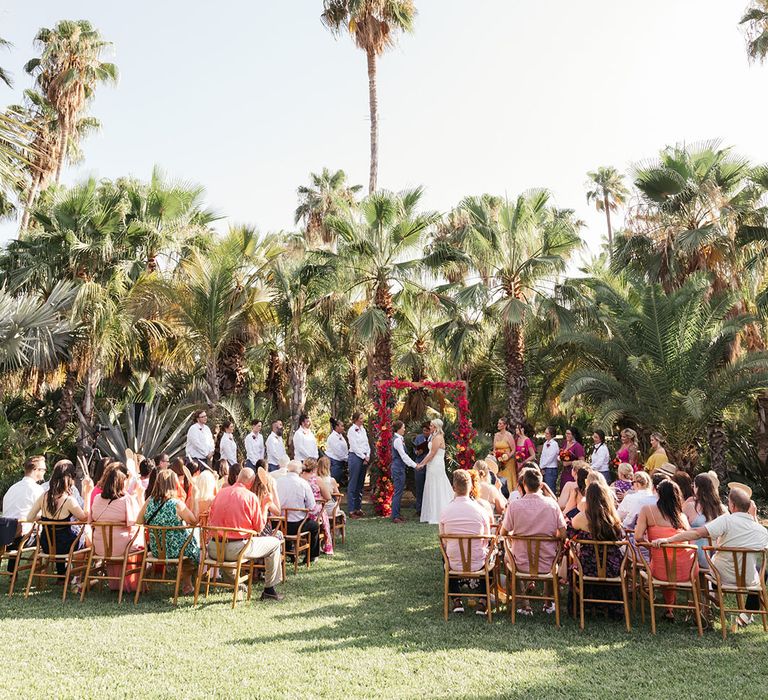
(366, 623)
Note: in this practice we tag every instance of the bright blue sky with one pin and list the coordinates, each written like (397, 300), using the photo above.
(497, 96)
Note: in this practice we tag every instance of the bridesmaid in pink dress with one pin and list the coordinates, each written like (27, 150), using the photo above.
(629, 451)
(525, 450)
(114, 505)
(575, 449)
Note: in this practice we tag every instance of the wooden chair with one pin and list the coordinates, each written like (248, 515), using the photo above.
(279, 524)
(649, 584)
(74, 559)
(162, 562)
(24, 552)
(487, 573)
(740, 560)
(96, 567)
(242, 571)
(579, 578)
(514, 574)
(338, 520)
(301, 541)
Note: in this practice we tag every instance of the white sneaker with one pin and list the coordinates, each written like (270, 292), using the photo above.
(549, 608)
(743, 619)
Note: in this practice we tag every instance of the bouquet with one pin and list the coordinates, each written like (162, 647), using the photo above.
(565, 455)
(520, 455)
(615, 462)
(501, 454)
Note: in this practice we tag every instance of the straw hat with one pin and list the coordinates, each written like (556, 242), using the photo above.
(741, 487)
(666, 468)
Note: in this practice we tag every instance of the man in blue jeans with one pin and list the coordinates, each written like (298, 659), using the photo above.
(550, 451)
(420, 448)
(400, 460)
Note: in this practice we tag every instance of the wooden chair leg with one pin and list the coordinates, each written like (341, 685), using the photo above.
(445, 595)
(581, 603)
(179, 571)
(236, 586)
(86, 577)
(625, 600)
(488, 609)
(697, 608)
(512, 594)
(141, 577)
(652, 605)
(556, 594)
(721, 604)
(764, 613)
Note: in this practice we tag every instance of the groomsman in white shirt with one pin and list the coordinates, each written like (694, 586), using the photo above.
(200, 443)
(337, 451)
(548, 460)
(304, 440)
(254, 445)
(275, 448)
(359, 457)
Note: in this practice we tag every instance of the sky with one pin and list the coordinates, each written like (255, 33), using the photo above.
(497, 96)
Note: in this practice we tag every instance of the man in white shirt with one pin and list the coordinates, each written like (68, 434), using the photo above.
(200, 443)
(295, 492)
(548, 460)
(400, 460)
(737, 529)
(21, 496)
(359, 456)
(254, 446)
(275, 447)
(337, 450)
(304, 440)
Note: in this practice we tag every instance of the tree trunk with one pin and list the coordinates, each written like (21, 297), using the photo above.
(762, 427)
(608, 221)
(297, 373)
(374, 110)
(515, 379)
(212, 379)
(64, 143)
(31, 197)
(67, 401)
(382, 353)
(275, 381)
(231, 367)
(717, 439)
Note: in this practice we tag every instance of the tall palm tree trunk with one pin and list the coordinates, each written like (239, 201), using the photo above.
(67, 400)
(212, 379)
(514, 375)
(31, 198)
(297, 373)
(65, 132)
(608, 222)
(717, 439)
(762, 427)
(374, 110)
(382, 352)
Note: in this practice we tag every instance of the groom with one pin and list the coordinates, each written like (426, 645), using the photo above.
(400, 460)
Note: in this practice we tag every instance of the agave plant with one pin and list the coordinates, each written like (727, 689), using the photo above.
(145, 430)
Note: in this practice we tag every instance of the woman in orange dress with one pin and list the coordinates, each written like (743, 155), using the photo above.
(504, 451)
(661, 520)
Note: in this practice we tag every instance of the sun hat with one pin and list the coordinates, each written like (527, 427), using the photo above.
(666, 468)
(741, 487)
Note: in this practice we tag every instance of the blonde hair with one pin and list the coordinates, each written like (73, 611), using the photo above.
(644, 478)
(323, 466)
(595, 477)
(438, 425)
(625, 470)
(631, 434)
(660, 439)
(474, 491)
(482, 467)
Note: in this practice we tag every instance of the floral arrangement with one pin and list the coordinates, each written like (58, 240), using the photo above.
(465, 455)
(565, 455)
(501, 454)
(615, 462)
(520, 455)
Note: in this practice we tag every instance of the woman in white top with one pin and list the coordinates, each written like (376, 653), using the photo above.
(227, 444)
(601, 457)
(438, 491)
(304, 440)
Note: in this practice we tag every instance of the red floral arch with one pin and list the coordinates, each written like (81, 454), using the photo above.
(456, 392)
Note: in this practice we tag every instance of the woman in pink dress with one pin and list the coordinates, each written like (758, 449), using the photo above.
(572, 451)
(114, 505)
(629, 451)
(525, 450)
(321, 493)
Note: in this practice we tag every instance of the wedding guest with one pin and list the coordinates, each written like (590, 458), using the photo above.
(145, 469)
(488, 491)
(642, 494)
(703, 507)
(254, 445)
(623, 483)
(568, 484)
(601, 457)
(20, 498)
(322, 495)
(662, 520)
(359, 456)
(572, 451)
(114, 505)
(304, 440)
(162, 461)
(736, 529)
(658, 454)
(475, 494)
(282, 469)
(324, 474)
(400, 460)
(223, 479)
(275, 446)
(337, 450)
(684, 481)
(58, 504)
(200, 443)
(185, 483)
(205, 487)
(420, 450)
(463, 516)
(97, 474)
(238, 508)
(164, 508)
(572, 496)
(265, 488)
(629, 451)
(550, 451)
(504, 451)
(227, 444)
(295, 492)
(233, 473)
(66, 467)
(533, 514)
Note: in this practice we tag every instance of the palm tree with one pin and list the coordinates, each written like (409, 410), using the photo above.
(5, 76)
(661, 361)
(67, 73)
(607, 191)
(373, 25)
(756, 28)
(376, 251)
(327, 195)
(517, 249)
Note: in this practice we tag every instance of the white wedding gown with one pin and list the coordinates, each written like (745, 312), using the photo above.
(438, 492)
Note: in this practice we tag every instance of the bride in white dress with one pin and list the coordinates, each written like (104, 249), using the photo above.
(438, 491)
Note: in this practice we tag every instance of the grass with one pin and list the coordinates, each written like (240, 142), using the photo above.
(366, 623)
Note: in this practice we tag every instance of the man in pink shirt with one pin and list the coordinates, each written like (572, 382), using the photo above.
(463, 516)
(238, 507)
(533, 514)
